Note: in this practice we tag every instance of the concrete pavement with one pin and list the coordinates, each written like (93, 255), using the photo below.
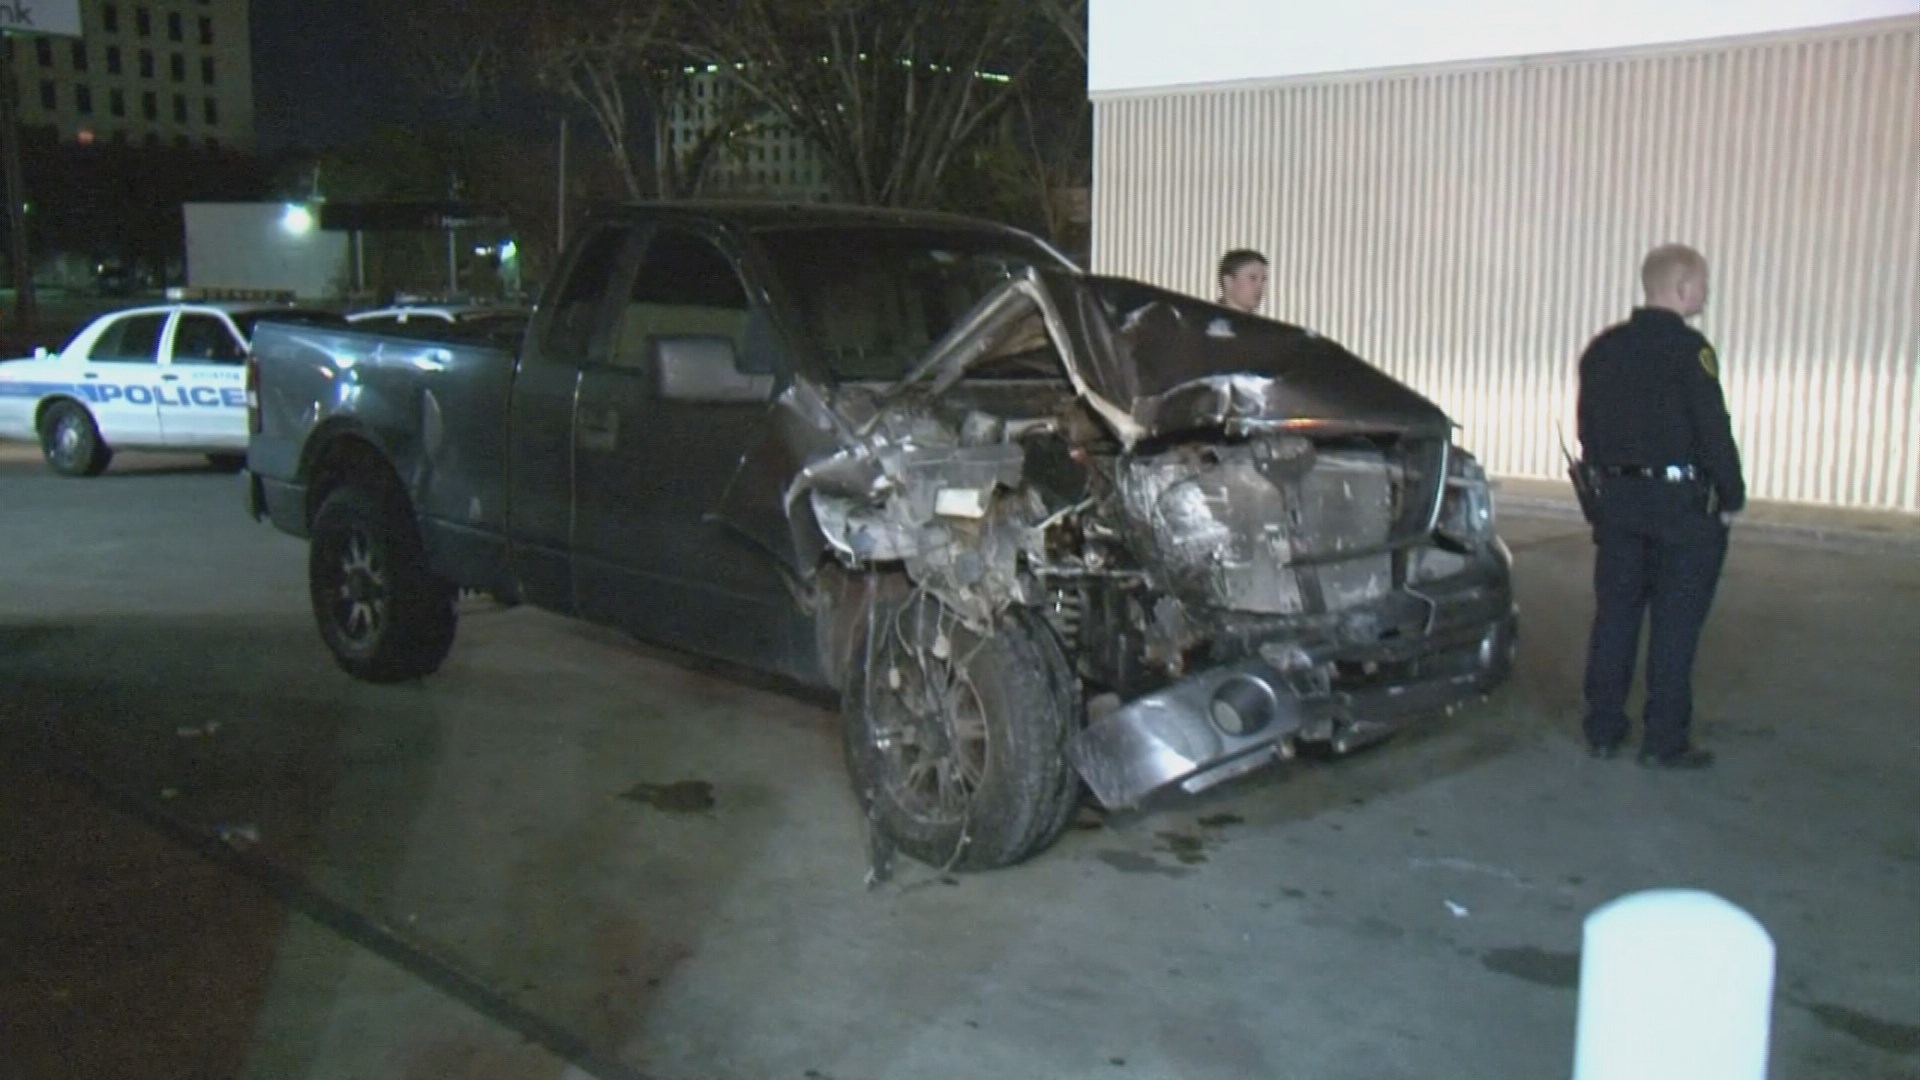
(569, 855)
(1870, 532)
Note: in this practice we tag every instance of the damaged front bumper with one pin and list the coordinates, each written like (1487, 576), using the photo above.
(1345, 681)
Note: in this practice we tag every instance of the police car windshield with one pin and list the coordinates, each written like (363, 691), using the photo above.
(247, 320)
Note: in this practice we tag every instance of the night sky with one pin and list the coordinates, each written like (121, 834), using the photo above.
(323, 81)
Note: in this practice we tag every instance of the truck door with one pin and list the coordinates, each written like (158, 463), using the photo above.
(571, 330)
(203, 394)
(659, 429)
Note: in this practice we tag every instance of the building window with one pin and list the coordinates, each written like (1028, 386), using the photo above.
(110, 18)
(206, 30)
(146, 64)
(179, 67)
(79, 56)
(150, 105)
(212, 112)
(83, 99)
(49, 97)
(143, 21)
(117, 102)
(176, 31)
(43, 48)
(179, 108)
(113, 59)
(206, 70)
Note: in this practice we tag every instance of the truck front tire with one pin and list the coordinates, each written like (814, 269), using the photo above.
(383, 615)
(956, 742)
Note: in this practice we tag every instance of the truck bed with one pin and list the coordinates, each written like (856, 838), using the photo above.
(434, 405)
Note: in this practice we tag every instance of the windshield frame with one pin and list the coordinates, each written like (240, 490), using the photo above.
(776, 249)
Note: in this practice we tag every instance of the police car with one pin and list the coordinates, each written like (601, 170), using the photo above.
(500, 324)
(160, 377)
(413, 314)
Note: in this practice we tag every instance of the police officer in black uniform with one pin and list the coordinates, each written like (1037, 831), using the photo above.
(1663, 483)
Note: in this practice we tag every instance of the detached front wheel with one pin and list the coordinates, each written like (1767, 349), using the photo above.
(382, 614)
(956, 740)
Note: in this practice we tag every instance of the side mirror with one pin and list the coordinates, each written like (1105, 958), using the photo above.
(705, 370)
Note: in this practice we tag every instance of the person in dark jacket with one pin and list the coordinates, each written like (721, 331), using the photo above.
(1665, 481)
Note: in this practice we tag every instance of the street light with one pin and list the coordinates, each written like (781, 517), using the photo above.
(298, 220)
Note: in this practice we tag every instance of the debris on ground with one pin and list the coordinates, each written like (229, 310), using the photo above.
(238, 836)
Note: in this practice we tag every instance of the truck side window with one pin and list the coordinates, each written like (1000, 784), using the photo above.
(133, 340)
(570, 333)
(686, 287)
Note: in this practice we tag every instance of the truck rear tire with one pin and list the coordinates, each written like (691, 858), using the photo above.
(385, 618)
(956, 742)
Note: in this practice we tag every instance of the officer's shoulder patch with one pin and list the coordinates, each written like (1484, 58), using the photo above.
(1709, 362)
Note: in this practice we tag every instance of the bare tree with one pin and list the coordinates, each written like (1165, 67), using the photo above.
(467, 50)
(607, 55)
(623, 62)
(887, 91)
(1070, 18)
(1056, 152)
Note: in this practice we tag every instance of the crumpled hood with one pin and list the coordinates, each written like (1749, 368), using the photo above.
(1172, 363)
(1150, 362)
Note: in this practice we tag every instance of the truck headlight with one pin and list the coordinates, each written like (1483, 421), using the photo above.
(1466, 509)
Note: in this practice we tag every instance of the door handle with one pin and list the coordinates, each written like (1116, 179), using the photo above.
(93, 375)
(598, 432)
(170, 378)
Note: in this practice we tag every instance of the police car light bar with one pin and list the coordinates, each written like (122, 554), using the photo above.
(186, 293)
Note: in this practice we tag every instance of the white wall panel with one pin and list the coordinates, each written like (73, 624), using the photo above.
(1469, 230)
(1155, 44)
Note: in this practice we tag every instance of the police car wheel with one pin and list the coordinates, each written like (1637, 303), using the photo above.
(71, 443)
(383, 615)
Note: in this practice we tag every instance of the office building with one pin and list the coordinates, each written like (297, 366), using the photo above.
(152, 72)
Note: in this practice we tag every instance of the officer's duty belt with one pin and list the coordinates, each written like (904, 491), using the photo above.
(1672, 474)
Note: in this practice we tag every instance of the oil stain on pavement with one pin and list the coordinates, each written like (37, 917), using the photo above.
(1131, 862)
(1558, 970)
(1873, 1031)
(1187, 848)
(682, 797)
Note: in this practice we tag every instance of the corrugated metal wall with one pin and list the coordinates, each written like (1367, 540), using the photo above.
(1469, 230)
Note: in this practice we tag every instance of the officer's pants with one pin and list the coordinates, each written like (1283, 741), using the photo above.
(1671, 575)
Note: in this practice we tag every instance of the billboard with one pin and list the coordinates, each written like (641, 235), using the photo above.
(61, 17)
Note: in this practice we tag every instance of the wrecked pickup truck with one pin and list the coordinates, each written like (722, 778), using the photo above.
(1044, 532)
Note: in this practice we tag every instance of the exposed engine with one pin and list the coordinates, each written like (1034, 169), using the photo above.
(1243, 535)
(1140, 558)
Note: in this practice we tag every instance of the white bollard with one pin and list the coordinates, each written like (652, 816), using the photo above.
(1675, 984)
